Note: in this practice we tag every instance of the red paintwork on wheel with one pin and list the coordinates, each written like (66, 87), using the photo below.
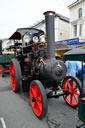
(37, 104)
(0, 69)
(72, 86)
(12, 76)
(6, 69)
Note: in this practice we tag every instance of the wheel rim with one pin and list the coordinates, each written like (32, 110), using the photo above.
(0, 69)
(12, 76)
(72, 87)
(36, 100)
(1, 72)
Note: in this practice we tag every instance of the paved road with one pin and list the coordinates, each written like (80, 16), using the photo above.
(16, 111)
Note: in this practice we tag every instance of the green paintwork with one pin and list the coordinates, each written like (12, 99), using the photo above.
(81, 108)
(6, 58)
(74, 57)
(76, 54)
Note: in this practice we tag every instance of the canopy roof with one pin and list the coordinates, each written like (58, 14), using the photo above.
(77, 54)
(22, 31)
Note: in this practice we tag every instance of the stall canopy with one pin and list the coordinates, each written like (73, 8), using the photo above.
(76, 54)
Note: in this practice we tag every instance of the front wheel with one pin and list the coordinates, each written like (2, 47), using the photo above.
(73, 86)
(38, 99)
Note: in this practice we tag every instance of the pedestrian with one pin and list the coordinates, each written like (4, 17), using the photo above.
(73, 67)
(81, 76)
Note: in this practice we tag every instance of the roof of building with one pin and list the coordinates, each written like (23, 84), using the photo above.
(75, 3)
(64, 18)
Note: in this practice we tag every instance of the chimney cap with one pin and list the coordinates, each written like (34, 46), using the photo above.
(49, 13)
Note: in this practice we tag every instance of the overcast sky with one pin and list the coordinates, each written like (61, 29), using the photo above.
(25, 13)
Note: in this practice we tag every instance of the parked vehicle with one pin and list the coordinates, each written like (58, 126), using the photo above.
(5, 58)
(35, 62)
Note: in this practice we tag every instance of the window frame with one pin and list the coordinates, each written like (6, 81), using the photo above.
(75, 29)
(80, 13)
(80, 29)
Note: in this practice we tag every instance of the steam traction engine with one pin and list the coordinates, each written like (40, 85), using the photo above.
(35, 62)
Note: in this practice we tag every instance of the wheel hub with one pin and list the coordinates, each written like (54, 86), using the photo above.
(71, 91)
(12, 75)
(33, 99)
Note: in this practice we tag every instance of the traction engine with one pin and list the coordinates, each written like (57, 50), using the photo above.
(36, 66)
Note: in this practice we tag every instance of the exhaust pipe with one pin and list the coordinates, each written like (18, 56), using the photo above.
(49, 19)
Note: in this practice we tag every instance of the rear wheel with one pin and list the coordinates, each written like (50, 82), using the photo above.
(73, 86)
(15, 75)
(38, 99)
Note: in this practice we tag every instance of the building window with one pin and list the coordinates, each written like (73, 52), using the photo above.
(80, 12)
(75, 30)
(80, 29)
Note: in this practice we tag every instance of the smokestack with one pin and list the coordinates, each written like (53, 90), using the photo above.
(49, 19)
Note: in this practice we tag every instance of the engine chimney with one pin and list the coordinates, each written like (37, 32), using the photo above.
(49, 19)
(53, 69)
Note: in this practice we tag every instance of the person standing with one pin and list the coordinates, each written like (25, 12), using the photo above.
(73, 67)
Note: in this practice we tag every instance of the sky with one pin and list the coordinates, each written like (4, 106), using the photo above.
(25, 13)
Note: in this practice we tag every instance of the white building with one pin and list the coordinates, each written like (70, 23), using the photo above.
(6, 43)
(77, 20)
(62, 26)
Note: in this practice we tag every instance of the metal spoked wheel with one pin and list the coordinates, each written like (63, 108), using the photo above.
(15, 75)
(73, 86)
(38, 99)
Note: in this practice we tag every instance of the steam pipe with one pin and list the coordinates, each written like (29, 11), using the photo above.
(49, 19)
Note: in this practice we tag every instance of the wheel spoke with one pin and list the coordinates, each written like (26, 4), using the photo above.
(33, 91)
(38, 98)
(71, 99)
(68, 84)
(72, 84)
(37, 93)
(39, 105)
(76, 100)
(37, 109)
(33, 105)
(76, 93)
(66, 96)
(75, 88)
(13, 70)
